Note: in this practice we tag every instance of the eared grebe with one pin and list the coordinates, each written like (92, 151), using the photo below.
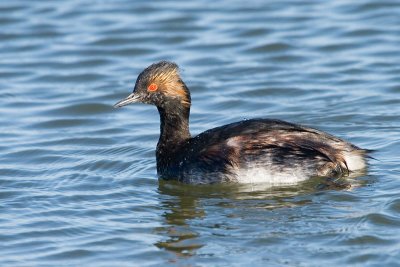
(249, 151)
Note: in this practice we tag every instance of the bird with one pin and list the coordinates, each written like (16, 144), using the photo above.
(258, 150)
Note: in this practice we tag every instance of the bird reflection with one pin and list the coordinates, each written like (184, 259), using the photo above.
(179, 208)
(184, 204)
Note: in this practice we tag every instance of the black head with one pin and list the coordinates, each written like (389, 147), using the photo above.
(159, 85)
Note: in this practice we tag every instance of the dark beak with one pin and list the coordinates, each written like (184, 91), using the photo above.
(132, 98)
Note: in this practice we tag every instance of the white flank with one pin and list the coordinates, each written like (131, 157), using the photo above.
(354, 160)
(262, 175)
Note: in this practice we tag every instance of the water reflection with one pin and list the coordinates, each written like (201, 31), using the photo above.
(188, 210)
(183, 204)
(178, 210)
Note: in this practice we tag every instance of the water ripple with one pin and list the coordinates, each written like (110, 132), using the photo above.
(78, 180)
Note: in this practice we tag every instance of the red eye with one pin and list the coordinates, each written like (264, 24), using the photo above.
(152, 87)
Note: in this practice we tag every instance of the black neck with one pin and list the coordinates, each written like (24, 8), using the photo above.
(174, 127)
(174, 132)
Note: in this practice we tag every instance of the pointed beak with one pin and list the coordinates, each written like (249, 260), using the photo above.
(132, 98)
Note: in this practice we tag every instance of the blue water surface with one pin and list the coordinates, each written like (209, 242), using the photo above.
(78, 184)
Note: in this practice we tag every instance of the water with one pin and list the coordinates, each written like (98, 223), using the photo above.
(78, 183)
